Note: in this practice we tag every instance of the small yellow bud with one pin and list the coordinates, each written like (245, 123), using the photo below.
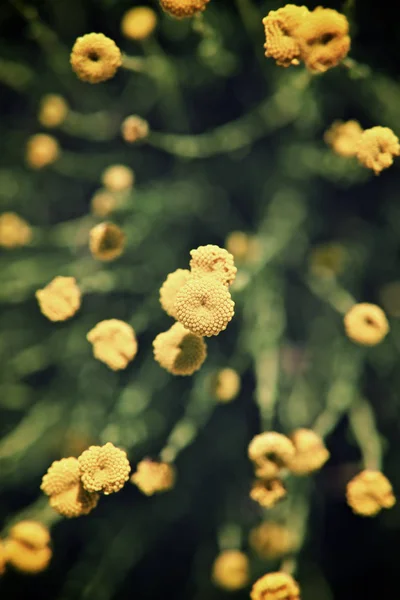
(138, 23)
(231, 570)
(41, 150)
(106, 241)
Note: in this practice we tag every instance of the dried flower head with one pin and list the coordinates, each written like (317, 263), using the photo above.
(179, 351)
(114, 343)
(267, 492)
(95, 58)
(53, 110)
(31, 533)
(271, 540)
(103, 203)
(204, 306)
(376, 148)
(311, 453)
(153, 477)
(231, 570)
(118, 178)
(134, 128)
(275, 586)
(41, 150)
(323, 39)
(60, 299)
(368, 492)
(183, 8)
(14, 231)
(104, 469)
(343, 137)
(170, 288)
(281, 43)
(138, 23)
(270, 452)
(213, 260)
(63, 484)
(25, 558)
(106, 241)
(226, 385)
(366, 324)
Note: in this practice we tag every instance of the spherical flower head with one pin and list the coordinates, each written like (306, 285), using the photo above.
(213, 260)
(179, 351)
(95, 58)
(106, 241)
(103, 203)
(134, 128)
(118, 178)
(26, 559)
(271, 540)
(31, 533)
(181, 9)
(343, 137)
(170, 288)
(53, 110)
(14, 231)
(267, 492)
(279, 25)
(310, 454)
(275, 586)
(376, 148)
(231, 570)
(204, 306)
(62, 483)
(226, 385)
(153, 477)
(366, 324)
(114, 343)
(368, 492)
(60, 299)
(41, 150)
(323, 39)
(270, 452)
(104, 469)
(138, 23)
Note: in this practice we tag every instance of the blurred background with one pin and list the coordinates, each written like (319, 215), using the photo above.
(235, 145)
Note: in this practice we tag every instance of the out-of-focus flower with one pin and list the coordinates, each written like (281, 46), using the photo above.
(60, 299)
(368, 492)
(244, 247)
(366, 324)
(343, 137)
(183, 8)
(231, 570)
(95, 58)
(31, 533)
(41, 150)
(134, 128)
(114, 343)
(104, 469)
(170, 288)
(280, 25)
(2, 558)
(215, 261)
(376, 148)
(138, 23)
(14, 231)
(103, 203)
(275, 586)
(271, 540)
(53, 110)
(25, 558)
(226, 385)
(310, 452)
(270, 452)
(327, 260)
(179, 351)
(118, 178)
(267, 492)
(106, 241)
(153, 477)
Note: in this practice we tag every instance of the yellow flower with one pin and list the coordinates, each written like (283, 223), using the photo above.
(179, 351)
(41, 150)
(53, 110)
(14, 231)
(153, 477)
(104, 469)
(138, 23)
(118, 178)
(114, 343)
(327, 260)
(343, 137)
(183, 8)
(281, 43)
(106, 241)
(366, 324)
(244, 248)
(25, 558)
(213, 260)
(376, 148)
(310, 452)
(134, 128)
(60, 299)
(2, 558)
(267, 492)
(170, 288)
(275, 586)
(95, 58)
(271, 540)
(31, 533)
(226, 385)
(270, 452)
(231, 570)
(103, 203)
(368, 492)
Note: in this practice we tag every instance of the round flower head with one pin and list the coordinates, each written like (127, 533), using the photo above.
(366, 324)
(118, 178)
(25, 558)
(53, 110)
(153, 477)
(106, 241)
(311, 453)
(60, 299)
(270, 452)
(267, 493)
(63, 484)
(368, 492)
(134, 128)
(138, 23)
(114, 343)
(343, 137)
(271, 540)
(95, 58)
(376, 148)
(41, 150)
(231, 570)
(213, 260)
(103, 203)
(275, 586)
(14, 231)
(170, 288)
(179, 351)
(204, 306)
(183, 8)
(104, 469)
(226, 385)
(323, 39)
(31, 533)
(279, 25)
